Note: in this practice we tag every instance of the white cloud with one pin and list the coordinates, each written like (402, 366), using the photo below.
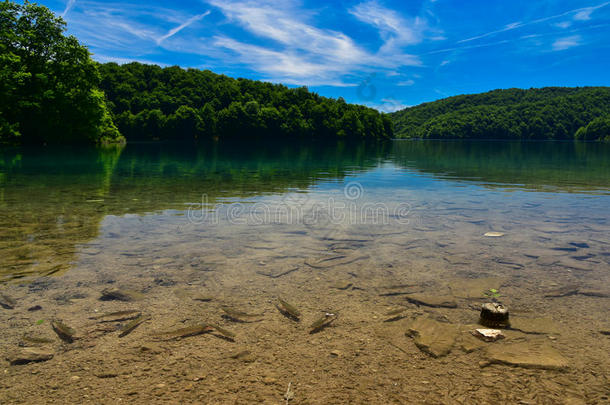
(297, 51)
(563, 24)
(409, 82)
(584, 15)
(395, 30)
(567, 42)
(282, 66)
(182, 26)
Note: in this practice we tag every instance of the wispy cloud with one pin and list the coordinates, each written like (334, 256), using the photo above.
(182, 26)
(395, 30)
(568, 42)
(68, 8)
(405, 83)
(300, 52)
(563, 24)
(583, 13)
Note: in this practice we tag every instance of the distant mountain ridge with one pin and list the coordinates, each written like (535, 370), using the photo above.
(545, 113)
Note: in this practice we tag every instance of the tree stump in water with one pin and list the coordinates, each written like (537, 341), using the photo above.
(494, 315)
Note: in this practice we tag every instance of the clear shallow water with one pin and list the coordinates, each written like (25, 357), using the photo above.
(53, 200)
(246, 224)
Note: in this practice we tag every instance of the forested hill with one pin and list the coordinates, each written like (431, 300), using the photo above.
(546, 113)
(153, 103)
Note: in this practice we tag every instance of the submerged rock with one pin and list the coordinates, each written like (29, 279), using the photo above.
(494, 315)
(432, 337)
(437, 301)
(535, 325)
(537, 355)
(29, 355)
(469, 343)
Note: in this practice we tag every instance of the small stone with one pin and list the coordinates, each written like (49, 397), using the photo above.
(494, 234)
(75, 378)
(161, 385)
(269, 380)
(29, 355)
(35, 308)
(488, 335)
(335, 353)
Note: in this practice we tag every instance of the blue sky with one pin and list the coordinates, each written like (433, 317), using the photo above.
(383, 53)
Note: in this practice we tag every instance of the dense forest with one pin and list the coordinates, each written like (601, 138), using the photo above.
(547, 113)
(48, 83)
(149, 102)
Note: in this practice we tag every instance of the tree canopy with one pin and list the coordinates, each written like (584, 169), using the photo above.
(149, 102)
(48, 83)
(547, 113)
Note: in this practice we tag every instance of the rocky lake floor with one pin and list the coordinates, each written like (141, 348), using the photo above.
(404, 305)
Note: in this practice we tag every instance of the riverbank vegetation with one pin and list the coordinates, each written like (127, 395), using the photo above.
(547, 113)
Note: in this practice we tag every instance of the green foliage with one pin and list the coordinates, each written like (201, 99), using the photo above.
(149, 102)
(492, 293)
(48, 82)
(547, 113)
(598, 129)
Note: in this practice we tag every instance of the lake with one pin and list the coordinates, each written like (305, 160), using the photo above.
(392, 239)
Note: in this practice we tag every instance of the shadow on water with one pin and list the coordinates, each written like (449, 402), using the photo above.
(53, 200)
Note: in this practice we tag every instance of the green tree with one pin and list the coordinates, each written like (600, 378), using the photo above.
(598, 129)
(49, 84)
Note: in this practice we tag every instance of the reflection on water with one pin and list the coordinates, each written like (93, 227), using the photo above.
(537, 166)
(53, 199)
